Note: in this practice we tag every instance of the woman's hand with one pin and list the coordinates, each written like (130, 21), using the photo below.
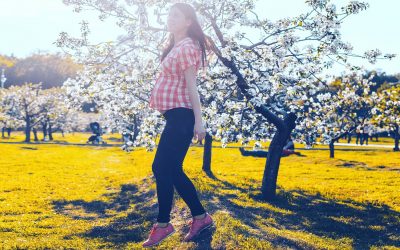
(199, 131)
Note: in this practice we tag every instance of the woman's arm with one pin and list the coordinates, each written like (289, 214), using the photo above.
(190, 77)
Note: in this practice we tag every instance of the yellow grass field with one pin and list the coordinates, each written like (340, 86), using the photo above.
(115, 138)
(56, 196)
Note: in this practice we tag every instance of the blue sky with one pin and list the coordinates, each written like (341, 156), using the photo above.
(28, 26)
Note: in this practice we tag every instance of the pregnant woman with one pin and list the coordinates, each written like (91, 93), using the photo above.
(176, 97)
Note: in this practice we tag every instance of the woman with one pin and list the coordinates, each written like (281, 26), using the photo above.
(175, 95)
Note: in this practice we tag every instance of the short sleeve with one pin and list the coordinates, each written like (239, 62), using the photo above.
(188, 56)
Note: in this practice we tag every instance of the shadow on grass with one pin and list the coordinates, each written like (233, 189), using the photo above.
(358, 165)
(366, 224)
(137, 201)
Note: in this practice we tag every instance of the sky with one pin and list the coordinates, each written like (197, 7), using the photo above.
(30, 26)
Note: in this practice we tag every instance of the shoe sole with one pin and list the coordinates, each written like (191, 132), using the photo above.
(196, 235)
(155, 244)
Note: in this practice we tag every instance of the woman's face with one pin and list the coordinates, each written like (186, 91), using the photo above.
(177, 21)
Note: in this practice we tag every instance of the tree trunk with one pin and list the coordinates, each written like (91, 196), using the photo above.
(135, 128)
(35, 134)
(396, 138)
(268, 188)
(50, 133)
(332, 149)
(8, 132)
(44, 126)
(62, 133)
(207, 153)
(2, 132)
(28, 129)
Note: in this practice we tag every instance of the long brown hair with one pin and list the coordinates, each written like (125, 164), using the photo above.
(194, 31)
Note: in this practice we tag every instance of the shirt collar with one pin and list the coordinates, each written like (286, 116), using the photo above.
(181, 41)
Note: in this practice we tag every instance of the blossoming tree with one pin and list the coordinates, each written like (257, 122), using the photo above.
(387, 112)
(350, 105)
(270, 74)
(7, 111)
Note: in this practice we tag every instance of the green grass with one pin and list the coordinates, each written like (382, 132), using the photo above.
(63, 196)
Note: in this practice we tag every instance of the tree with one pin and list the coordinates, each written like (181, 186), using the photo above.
(56, 114)
(6, 61)
(387, 112)
(273, 73)
(381, 79)
(26, 106)
(7, 109)
(351, 105)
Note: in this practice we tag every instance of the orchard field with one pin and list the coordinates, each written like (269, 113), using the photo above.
(271, 73)
(90, 197)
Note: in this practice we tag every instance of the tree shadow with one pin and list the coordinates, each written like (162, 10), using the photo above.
(91, 210)
(136, 225)
(137, 199)
(366, 224)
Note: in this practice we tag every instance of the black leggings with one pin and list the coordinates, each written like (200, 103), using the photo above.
(167, 165)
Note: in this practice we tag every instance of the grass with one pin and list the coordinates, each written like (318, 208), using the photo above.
(63, 196)
(75, 138)
(115, 138)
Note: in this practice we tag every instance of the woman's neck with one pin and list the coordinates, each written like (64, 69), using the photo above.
(179, 37)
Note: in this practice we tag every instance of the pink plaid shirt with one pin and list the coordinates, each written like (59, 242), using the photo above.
(170, 90)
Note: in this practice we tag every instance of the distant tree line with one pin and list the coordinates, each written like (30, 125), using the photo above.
(49, 69)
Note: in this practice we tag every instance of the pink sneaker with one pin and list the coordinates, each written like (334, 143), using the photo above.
(158, 234)
(198, 225)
